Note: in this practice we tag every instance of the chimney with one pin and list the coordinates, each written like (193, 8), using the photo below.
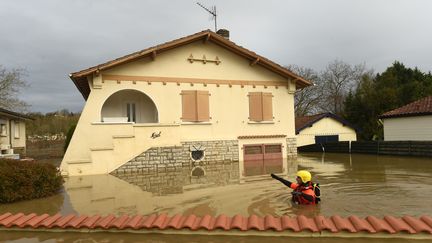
(224, 33)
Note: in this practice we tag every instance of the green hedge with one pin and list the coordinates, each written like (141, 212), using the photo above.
(23, 180)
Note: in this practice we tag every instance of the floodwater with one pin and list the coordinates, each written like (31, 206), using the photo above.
(351, 185)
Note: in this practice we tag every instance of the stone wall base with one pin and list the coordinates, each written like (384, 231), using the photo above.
(165, 170)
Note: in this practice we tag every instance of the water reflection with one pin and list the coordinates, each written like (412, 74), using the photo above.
(175, 182)
(369, 184)
(351, 184)
(178, 192)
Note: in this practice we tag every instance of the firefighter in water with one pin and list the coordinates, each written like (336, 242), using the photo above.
(305, 191)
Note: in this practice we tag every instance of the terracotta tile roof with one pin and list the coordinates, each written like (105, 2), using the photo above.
(420, 107)
(261, 136)
(80, 80)
(303, 122)
(333, 224)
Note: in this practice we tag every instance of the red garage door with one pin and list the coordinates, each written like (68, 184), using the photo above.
(262, 159)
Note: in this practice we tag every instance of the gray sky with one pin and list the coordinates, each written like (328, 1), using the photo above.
(52, 38)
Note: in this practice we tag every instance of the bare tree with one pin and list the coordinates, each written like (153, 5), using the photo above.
(306, 100)
(11, 83)
(337, 80)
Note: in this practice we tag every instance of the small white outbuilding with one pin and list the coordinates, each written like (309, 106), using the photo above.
(412, 122)
(322, 128)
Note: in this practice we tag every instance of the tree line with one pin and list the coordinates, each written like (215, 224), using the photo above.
(52, 123)
(360, 95)
(354, 92)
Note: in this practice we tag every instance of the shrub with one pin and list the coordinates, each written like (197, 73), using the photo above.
(23, 180)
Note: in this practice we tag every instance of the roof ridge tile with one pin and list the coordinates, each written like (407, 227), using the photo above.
(222, 221)
(324, 223)
(342, 223)
(5, 216)
(417, 224)
(62, 222)
(380, 224)
(427, 220)
(90, 221)
(104, 222)
(306, 223)
(361, 224)
(133, 222)
(119, 222)
(176, 221)
(334, 224)
(206, 222)
(159, 221)
(237, 222)
(75, 223)
(271, 222)
(290, 223)
(47, 222)
(148, 221)
(9, 220)
(190, 221)
(398, 224)
(36, 220)
(21, 221)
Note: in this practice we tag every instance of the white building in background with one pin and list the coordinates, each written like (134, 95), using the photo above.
(412, 122)
(12, 134)
(322, 128)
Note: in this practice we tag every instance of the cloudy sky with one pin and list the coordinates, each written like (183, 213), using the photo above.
(52, 38)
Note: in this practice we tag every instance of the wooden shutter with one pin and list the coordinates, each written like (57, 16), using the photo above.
(189, 108)
(267, 107)
(202, 101)
(255, 106)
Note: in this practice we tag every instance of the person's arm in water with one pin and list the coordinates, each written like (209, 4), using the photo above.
(283, 181)
(291, 185)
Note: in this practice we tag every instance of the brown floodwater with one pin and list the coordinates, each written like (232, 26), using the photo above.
(351, 185)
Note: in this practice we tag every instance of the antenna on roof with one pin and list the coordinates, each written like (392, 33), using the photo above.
(212, 11)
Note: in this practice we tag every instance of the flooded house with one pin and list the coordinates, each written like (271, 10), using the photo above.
(12, 134)
(200, 104)
(411, 122)
(323, 128)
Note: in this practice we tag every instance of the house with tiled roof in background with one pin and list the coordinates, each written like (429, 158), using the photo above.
(12, 134)
(199, 104)
(411, 122)
(322, 128)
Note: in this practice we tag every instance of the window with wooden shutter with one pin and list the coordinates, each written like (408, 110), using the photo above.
(260, 106)
(195, 106)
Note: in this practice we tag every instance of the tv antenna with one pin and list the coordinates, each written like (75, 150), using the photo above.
(212, 11)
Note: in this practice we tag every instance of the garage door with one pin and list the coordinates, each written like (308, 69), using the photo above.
(326, 139)
(262, 159)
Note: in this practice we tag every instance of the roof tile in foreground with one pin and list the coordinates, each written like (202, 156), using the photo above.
(334, 224)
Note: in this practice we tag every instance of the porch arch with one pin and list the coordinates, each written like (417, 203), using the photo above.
(129, 106)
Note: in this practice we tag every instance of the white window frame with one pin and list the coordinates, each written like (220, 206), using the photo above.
(17, 129)
(3, 129)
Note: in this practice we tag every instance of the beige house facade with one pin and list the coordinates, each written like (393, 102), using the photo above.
(198, 104)
(321, 128)
(412, 122)
(12, 134)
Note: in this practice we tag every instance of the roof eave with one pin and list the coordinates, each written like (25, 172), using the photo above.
(209, 35)
(406, 115)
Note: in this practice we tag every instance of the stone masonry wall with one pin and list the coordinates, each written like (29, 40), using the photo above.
(165, 170)
(291, 147)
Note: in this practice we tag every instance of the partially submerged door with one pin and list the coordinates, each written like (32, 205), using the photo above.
(260, 159)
